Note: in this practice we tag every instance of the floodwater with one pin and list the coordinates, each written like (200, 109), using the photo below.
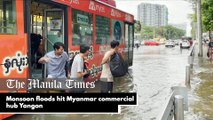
(201, 92)
(155, 70)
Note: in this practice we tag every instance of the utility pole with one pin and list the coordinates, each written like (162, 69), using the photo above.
(199, 29)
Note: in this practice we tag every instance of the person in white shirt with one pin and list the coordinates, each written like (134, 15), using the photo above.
(106, 75)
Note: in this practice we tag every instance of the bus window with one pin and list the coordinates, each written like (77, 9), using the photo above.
(129, 40)
(102, 30)
(118, 30)
(7, 17)
(126, 58)
(82, 28)
(131, 43)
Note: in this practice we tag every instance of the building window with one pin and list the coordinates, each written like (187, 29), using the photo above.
(7, 17)
(82, 28)
(102, 30)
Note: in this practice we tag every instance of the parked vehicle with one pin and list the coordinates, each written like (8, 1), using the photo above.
(185, 44)
(176, 42)
(142, 42)
(151, 43)
(162, 41)
(170, 43)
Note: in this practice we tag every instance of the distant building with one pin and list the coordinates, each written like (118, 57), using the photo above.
(153, 14)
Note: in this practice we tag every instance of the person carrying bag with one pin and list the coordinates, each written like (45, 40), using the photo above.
(117, 65)
(111, 64)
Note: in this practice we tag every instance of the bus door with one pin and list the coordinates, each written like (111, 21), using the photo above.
(46, 27)
(129, 40)
(53, 29)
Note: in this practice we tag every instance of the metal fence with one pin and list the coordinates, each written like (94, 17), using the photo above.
(175, 105)
(190, 64)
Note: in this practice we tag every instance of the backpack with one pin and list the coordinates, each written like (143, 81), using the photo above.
(117, 65)
(210, 44)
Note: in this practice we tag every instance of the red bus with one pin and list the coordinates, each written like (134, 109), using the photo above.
(73, 22)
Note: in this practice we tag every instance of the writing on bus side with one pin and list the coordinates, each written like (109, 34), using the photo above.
(18, 62)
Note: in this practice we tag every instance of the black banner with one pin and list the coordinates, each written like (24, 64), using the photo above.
(65, 102)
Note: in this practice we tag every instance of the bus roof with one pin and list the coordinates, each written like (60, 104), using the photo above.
(115, 12)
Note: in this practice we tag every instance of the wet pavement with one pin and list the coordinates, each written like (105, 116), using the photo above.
(201, 92)
(155, 70)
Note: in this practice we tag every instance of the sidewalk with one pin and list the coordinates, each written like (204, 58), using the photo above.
(201, 92)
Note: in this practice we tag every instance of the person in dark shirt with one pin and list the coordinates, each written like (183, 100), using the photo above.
(211, 43)
(210, 47)
(35, 41)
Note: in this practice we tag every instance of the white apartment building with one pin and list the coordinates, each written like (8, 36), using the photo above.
(153, 14)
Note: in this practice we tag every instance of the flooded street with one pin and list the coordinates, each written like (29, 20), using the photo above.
(155, 70)
(201, 92)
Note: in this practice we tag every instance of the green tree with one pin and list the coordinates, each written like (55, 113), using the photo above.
(168, 32)
(147, 32)
(137, 27)
(161, 31)
(207, 14)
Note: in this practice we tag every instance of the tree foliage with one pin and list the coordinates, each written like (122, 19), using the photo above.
(168, 32)
(147, 32)
(207, 14)
(137, 26)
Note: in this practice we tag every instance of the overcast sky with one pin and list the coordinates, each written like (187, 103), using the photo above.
(178, 9)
